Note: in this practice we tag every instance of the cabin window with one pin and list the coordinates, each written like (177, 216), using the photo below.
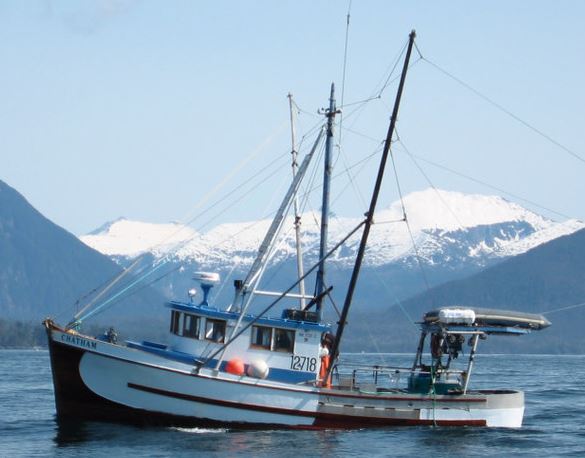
(284, 340)
(215, 330)
(175, 322)
(191, 326)
(261, 337)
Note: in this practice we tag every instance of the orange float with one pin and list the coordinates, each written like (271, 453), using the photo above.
(235, 366)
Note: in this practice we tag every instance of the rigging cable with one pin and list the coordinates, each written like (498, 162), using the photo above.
(304, 199)
(165, 260)
(116, 277)
(351, 177)
(344, 69)
(341, 116)
(376, 94)
(395, 79)
(422, 172)
(483, 183)
(283, 294)
(150, 283)
(393, 68)
(129, 289)
(505, 110)
(562, 309)
(109, 301)
(416, 252)
(106, 289)
(234, 171)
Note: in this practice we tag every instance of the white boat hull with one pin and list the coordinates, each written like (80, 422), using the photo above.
(99, 380)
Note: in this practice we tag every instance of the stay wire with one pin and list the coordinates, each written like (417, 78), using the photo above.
(121, 294)
(358, 102)
(266, 216)
(181, 244)
(142, 287)
(488, 185)
(282, 295)
(351, 177)
(562, 309)
(235, 170)
(106, 289)
(116, 277)
(377, 141)
(416, 252)
(431, 184)
(388, 81)
(506, 111)
(304, 196)
(258, 175)
(67, 308)
(396, 78)
(334, 305)
(356, 112)
(243, 195)
(129, 289)
(344, 70)
(376, 94)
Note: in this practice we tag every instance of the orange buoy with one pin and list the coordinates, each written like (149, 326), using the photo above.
(235, 366)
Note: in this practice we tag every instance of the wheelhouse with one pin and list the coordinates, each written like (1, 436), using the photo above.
(289, 346)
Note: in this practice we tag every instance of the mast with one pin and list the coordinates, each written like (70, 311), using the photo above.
(320, 284)
(370, 214)
(297, 222)
(267, 244)
(266, 247)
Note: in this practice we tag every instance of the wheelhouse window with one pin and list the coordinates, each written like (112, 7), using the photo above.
(191, 326)
(215, 330)
(261, 337)
(176, 322)
(284, 340)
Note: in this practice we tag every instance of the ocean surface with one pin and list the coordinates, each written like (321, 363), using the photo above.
(554, 422)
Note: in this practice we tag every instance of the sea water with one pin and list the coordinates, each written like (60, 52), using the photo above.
(554, 422)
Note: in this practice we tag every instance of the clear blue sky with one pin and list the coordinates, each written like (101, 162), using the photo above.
(136, 108)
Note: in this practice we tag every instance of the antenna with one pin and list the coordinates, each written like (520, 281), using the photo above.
(207, 280)
(297, 223)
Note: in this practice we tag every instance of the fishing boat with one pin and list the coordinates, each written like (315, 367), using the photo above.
(227, 367)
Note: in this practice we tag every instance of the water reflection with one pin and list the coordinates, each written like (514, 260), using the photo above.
(70, 432)
(97, 436)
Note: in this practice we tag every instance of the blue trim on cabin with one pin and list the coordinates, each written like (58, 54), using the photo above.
(213, 312)
(276, 374)
(163, 350)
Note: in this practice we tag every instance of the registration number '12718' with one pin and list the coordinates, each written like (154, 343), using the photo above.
(303, 363)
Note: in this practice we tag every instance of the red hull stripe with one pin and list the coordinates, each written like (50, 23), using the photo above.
(321, 419)
(218, 402)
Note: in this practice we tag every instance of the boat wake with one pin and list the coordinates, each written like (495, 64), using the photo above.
(200, 430)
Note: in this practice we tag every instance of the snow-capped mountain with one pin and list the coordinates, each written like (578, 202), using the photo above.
(448, 229)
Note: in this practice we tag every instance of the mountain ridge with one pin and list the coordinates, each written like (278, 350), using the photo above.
(45, 270)
(43, 266)
(548, 279)
(439, 220)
